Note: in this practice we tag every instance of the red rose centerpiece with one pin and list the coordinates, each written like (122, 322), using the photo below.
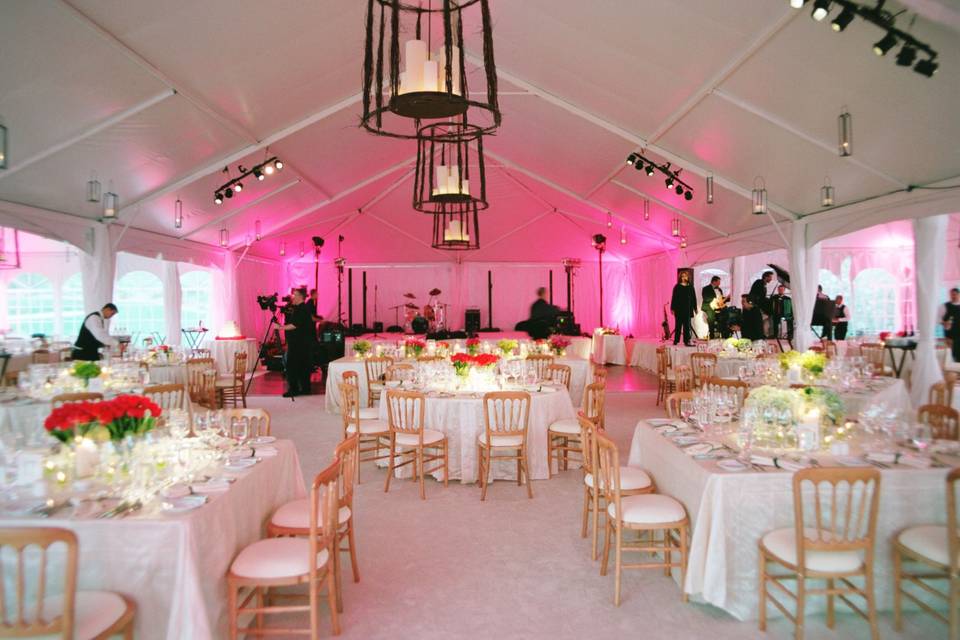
(122, 416)
(415, 347)
(559, 344)
(473, 346)
(461, 363)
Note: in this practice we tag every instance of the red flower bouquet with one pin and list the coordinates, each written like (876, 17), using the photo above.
(473, 345)
(559, 343)
(121, 416)
(415, 347)
(485, 360)
(461, 362)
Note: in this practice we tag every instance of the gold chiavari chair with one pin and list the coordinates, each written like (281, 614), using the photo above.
(374, 433)
(674, 400)
(563, 436)
(351, 377)
(410, 439)
(741, 387)
(29, 610)
(930, 553)
(633, 481)
(426, 358)
(394, 369)
(829, 348)
(666, 382)
(942, 420)
(201, 354)
(558, 373)
(873, 353)
(258, 420)
(167, 396)
(832, 539)
(600, 374)
(289, 561)
(646, 513)
(942, 392)
(506, 416)
(67, 398)
(704, 366)
(202, 390)
(41, 356)
(540, 362)
(683, 378)
(232, 389)
(376, 370)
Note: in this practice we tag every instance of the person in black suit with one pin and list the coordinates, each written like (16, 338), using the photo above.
(951, 322)
(709, 296)
(782, 306)
(758, 295)
(683, 304)
(543, 317)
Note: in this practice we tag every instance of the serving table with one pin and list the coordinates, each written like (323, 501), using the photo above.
(609, 348)
(224, 351)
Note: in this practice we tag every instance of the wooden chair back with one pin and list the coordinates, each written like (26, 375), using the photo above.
(942, 392)
(376, 368)
(41, 356)
(429, 358)
(674, 400)
(540, 362)
(394, 369)
(829, 348)
(588, 442)
(240, 366)
(66, 398)
(351, 377)
(22, 611)
(943, 420)
(202, 382)
(741, 387)
(559, 373)
(594, 404)
(167, 396)
(406, 411)
(600, 374)
(349, 406)
(663, 362)
(953, 527)
(506, 413)
(607, 467)
(201, 354)
(324, 515)
(704, 365)
(258, 420)
(348, 455)
(873, 352)
(835, 509)
(683, 377)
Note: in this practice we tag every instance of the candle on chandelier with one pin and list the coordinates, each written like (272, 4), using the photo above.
(455, 233)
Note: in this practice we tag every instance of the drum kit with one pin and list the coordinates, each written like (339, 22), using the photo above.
(428, 319)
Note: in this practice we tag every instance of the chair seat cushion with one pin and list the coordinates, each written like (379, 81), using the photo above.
(631, 479)
(96, 611)
(369, 427)
(296, 515)
(411, 440)
(782, 543)
(650, 508)
(567, 426)
(501, 441)
(929, 541)
(227, 383)
(369, 413)
(276, 558)
(376, 387)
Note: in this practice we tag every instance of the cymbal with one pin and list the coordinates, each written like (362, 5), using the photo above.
(410, 296)
(410, 305)
(435, 292)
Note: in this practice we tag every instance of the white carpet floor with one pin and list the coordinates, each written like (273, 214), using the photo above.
(510, 567)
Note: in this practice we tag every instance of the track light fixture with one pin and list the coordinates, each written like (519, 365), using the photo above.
(879, 16)
(234, 185)
(672, 180)
(683, 242)
(675, 227)
(93, 188)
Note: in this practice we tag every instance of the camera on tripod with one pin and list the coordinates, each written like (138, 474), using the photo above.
(269, 303)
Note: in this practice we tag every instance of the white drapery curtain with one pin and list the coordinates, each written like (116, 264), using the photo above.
(229, 301)
(929, 256)
(172, 301)
(804, 270)
(98, 268)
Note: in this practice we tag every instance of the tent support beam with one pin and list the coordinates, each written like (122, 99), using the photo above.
(776, 225)
(666, 205)
(518, 228)
(92, 131)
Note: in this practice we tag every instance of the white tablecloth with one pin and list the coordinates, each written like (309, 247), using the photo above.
(643, 353)
(730, 512)
(580, 347)
(609, 349)
(175, 566)
(168, 374)
(223, 351)
(461, 418)
(580, 375)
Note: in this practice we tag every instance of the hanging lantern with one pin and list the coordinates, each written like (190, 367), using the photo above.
(3, 147)
(177, 214)
(111, 205)
(283, 248)
(257, 231)
(9, 248)
(445, 157)
(93, 188)
(826, 193)
(710, 189)
(302, 252)
(623, 235)
(456, 227)
(759, 195)
(224, 237)
(683, 242)
(675, 227)
(845, 131)
(646, 209)
(424, 76)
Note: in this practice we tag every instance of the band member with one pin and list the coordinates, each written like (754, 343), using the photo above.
(95, 333)
(951, 321)
(543, 316)
(683, 304)
(841, 319)
(751, 323)
(712, 301)
(299, 331)
(758, 295)
(822, 319)
(782, 306)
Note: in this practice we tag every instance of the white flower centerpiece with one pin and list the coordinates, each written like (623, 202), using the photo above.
(807, 419)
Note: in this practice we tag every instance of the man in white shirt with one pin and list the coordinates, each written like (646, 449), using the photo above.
(841, 319)
(95, 333)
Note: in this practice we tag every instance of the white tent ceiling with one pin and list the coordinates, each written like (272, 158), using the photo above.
(156, 97)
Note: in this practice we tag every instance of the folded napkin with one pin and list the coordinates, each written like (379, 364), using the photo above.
(265, 452)
(698, 449)
(245, 452)
(780, 463)
(883, 457)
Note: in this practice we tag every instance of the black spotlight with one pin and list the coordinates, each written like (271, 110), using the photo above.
(688, 195)
(279, 165)
(669, 183)
(218, 198)
(649, 169)
(258, 173)
(906, 56)
(926, 67)
(843, 20)
(679, 190)
(237, 188)
(317, 241)
(228, 192)
(820, 9)
(599, 241)
(886, 43)
(631, 158)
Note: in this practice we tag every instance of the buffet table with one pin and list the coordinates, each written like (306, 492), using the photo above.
(731, 511)
(609, 348)
(174, 566)
(460, 417)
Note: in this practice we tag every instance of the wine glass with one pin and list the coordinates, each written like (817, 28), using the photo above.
(921, 436)
(686, 410)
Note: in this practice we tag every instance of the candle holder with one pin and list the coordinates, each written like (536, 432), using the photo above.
(456, 227)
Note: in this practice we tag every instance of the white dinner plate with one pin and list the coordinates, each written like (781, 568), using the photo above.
(214, 485)
(730, 464)
(175, 491)
(241, 464)
(185, 503)
(685, 440)
(263, 440)
(240, 454)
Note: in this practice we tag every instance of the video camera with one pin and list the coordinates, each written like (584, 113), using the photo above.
(269, 303)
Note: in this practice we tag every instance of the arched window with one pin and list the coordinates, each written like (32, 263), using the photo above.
(707, 274)
(874, 302)
(139, 295)
(30, 305)
(833, 286)
(196, 292)
(72, 311)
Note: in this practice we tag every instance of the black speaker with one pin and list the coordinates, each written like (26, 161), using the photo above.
(420, 325)
(378, 327)
(471, 320)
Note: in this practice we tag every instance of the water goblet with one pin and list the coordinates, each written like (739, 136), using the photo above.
(686, 410)
(921, 436)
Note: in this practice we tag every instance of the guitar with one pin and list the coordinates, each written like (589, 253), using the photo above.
(720, 302)
(666, 324)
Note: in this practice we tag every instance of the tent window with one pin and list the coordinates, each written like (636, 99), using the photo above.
(706, 274)
(196, 287)
(874, 302)
(139, 294)
(30, 305)
(72, 311)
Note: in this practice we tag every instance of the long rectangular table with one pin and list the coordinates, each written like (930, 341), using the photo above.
(731, 511)
(175, 566)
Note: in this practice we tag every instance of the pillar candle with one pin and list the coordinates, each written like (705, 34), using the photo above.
(415, 52)
(87, 458)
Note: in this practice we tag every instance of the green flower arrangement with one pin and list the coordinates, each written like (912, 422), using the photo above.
(361, 347)
(776, 398)
(827, 401)
(507, 346)
(739, 344)
(810, 361)
(85, 370)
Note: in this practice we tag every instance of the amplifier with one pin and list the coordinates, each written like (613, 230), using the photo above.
(471, 320)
